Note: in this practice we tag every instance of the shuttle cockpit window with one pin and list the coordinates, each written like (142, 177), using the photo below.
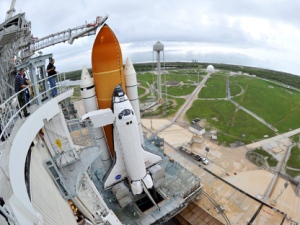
(120, 93)
(125, 112)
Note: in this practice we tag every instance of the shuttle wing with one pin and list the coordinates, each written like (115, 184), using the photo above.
(101, 117)
(151, 159)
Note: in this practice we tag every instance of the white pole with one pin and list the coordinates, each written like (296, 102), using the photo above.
(159, 76)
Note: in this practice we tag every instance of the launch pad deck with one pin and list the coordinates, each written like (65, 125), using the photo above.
(179, 187)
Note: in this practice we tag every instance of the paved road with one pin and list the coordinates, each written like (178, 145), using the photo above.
(244, 109)
(181, 112)
(280, 168)
(227, 88)
(180, 115)
(273, 139)
(147, 91)
(254, 115)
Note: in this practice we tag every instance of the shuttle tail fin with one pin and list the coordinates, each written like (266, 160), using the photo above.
(151, 159)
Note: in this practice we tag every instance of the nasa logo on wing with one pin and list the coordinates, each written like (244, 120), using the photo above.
(147, 162)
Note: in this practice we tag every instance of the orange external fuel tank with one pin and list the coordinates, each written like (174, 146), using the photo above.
(107, 66)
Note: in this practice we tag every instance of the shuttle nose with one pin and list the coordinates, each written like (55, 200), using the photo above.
(118, 92)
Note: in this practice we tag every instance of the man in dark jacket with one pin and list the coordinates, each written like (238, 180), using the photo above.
(19, 85)
(51, 74)
(27, 94)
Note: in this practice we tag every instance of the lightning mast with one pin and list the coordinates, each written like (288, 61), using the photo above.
(11, 10)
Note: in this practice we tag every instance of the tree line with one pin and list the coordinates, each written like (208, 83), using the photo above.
(286, 78)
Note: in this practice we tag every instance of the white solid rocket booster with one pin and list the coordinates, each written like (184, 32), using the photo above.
(132, 93)
(88, 94)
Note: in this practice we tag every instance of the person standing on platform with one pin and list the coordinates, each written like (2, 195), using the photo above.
(51, 74)
(27, 94)
(19, 85)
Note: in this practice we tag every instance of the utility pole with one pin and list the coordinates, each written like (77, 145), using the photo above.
(286, 184)
(198, 74)
(207, 150)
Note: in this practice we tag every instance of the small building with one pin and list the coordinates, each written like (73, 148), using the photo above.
(196, 129)
(197, 139)
(214, 137)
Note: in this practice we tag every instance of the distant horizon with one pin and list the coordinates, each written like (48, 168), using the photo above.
(229, 58)
(211, 63)
(186, 52)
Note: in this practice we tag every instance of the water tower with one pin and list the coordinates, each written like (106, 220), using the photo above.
(158, 47)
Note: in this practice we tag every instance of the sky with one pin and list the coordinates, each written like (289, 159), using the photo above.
(255, 33)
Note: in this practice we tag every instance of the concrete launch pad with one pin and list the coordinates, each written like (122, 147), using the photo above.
(179, 187)
(230, 165)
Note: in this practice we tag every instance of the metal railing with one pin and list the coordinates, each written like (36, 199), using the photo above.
(11, 110)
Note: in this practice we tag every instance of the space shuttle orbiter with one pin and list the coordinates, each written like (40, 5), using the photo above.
(130, 159)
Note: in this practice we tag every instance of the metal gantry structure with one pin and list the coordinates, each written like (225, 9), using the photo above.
(17, 44)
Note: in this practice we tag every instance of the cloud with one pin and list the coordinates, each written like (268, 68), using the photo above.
(269, 26)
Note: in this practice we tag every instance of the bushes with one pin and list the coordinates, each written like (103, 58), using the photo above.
(258, 157)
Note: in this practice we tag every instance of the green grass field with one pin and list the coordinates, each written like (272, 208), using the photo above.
(77, 95)
(296, 138)
(148, 97)
(276, 105)
(235, 89)
(232, 125)
(185, 76)
(189, 78)
(257, 157)
(166, 110)
(294, 162)
(220, 72)
(180, 90)
(271, 160)
(215, 88)
(141, 91)
(172, 109)
(145, 78)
